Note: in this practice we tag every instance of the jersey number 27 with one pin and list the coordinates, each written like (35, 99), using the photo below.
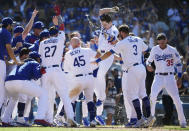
(48, 49)
(79, 61)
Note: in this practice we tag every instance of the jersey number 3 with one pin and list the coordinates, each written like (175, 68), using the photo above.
(135, 48)
(48, 49)
(79, 61)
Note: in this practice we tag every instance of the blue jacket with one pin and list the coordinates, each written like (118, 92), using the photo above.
(28, 71)
(31, 38)
(5, 38)
(35, 46)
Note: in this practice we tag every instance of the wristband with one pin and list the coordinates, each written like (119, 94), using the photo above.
(179, 75)
(98, 60)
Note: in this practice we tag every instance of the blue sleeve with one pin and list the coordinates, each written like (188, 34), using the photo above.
(27, 45)
(27, 39)
(7, 38)
(19, 39)
(32, 48)
(36, 71)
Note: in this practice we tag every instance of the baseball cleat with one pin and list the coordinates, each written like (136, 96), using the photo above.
(140, 123)
(4, 124)
(42, 122)
(60, 120)
(21, 122)
(100, 120)
(93, 123)
(86, 123)
(150, 121)
(183, 125)
(72, 123)
(132, 122)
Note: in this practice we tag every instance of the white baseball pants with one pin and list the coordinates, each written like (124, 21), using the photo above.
(15, 87)
(169, 83)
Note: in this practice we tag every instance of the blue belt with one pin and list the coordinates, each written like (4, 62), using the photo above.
(51, 66)
(102, 51)
(135, 64)
(165, 73)
(78, 75)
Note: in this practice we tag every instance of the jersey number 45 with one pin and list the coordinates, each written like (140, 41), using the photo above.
(79, 61)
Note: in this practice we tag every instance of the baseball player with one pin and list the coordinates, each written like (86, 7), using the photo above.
(77, 64)
(51, 51)
(37, 28)
(5, 51)
(20, 34)
(133, 82)
(107, 38)
(24, 52)
(43, 35)
(19, 81)
(166, 58)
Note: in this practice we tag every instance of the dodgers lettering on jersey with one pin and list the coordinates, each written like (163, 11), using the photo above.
(77, 61)
(131, 49)
(105, 36)
(5, 38)
(165, 59)
(51, 50)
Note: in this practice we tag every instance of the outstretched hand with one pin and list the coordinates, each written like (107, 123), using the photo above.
(34, 13)
(115, 9)
(55, 20)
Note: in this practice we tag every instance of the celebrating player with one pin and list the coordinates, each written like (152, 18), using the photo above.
(165, 58)
(107, 38)
(133, 82)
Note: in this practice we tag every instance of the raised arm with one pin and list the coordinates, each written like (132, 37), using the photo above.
(29, 25)
(108, 10)
(58, 14)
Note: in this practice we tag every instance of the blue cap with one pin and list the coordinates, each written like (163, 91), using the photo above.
(34, 55)
(53, 31)
(38, 25)
(7, 21)
(44, 33)
(18, 29)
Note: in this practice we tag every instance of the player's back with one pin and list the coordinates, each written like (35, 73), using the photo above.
(51, 50)
(77, 61)
(131, 51)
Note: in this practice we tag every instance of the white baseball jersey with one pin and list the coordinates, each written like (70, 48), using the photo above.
(103, 43)
(51, 50)
(131, 49)
(165, 59)
(78, 58)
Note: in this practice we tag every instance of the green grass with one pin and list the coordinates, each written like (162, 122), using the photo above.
(107, 128)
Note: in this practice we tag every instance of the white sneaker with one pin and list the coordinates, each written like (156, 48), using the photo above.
(183, 125)
(140, 123)
(150, 121)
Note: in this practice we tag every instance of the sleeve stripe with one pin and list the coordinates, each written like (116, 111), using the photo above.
(112, 51)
